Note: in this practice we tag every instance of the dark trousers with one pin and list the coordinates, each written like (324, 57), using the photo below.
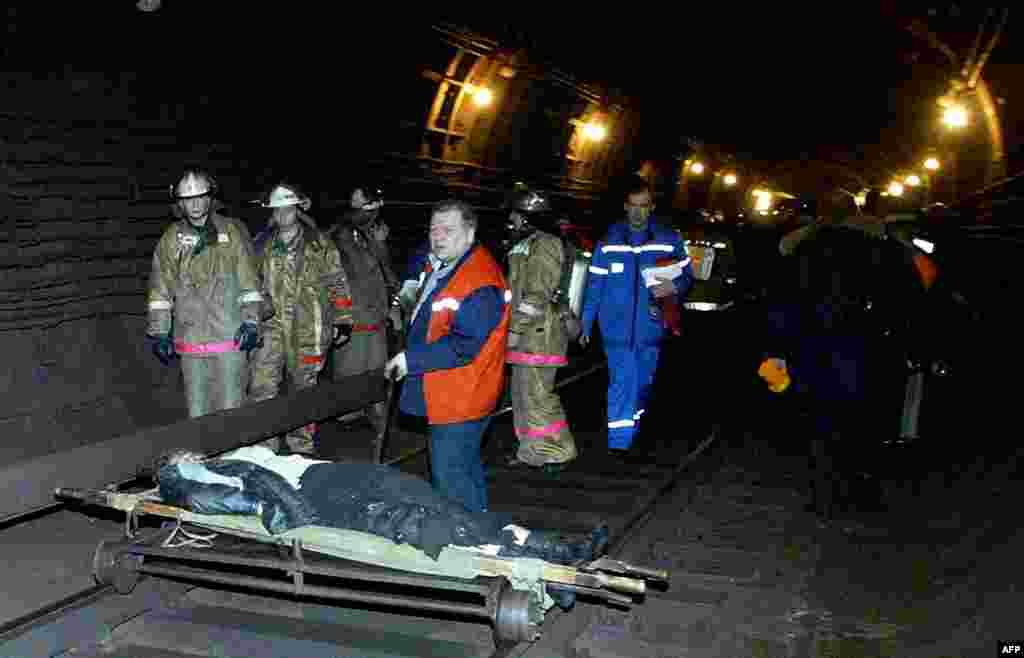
(456, 469)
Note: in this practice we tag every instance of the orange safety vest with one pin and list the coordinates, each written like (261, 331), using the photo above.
(471, 391)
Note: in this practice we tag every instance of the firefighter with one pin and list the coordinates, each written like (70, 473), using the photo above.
(204, 297)
(310, 310)
(538, 337)
(373, 286)
(638, 263)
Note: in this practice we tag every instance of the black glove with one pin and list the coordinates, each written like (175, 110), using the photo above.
(163, 348)
(248, 337)
(342, 334)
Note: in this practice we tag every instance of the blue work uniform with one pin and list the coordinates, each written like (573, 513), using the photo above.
(630, 317)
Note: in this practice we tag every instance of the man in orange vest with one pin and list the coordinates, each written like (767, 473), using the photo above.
(455, 352)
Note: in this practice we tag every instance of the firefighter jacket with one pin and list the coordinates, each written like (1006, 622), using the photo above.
(207, 294)
(456, 343)
(370, 278)
(617, 294)
(307, 285)
(537, 334)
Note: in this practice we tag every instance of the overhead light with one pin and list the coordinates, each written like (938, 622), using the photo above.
(483, 96)
(955, 116)
(730, 179)
(594, 131)
(931, 163)
(697, 168)
(924, 245)
(895, 188)
(913, 180)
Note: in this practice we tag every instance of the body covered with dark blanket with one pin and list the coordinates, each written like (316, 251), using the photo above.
(364, 497)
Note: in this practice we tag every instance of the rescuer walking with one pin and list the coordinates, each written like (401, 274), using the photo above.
(204, 297)
(302, 276)
(539, 333)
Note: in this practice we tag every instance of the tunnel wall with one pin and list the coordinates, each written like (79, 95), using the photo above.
(85, 199)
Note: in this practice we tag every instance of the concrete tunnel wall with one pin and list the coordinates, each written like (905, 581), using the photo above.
(85, 199)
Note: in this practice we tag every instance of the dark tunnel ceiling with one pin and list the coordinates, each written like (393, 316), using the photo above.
(767, 81)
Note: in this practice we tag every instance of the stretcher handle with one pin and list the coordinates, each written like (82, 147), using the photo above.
(622, 584)
(618, 566)
(85, 495)
(648, 573)
(593, 591)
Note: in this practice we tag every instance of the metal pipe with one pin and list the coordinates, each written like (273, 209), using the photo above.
(352, 573)
(340, 594)
(28, 486)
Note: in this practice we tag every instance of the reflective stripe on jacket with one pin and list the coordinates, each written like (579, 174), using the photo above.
(616, 294)
(208, 295)
(456, 352)
(308, 302)
(371, 281)
(535, 270)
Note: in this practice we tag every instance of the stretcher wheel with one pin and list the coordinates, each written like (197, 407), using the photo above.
(512, 618)
(112, 567)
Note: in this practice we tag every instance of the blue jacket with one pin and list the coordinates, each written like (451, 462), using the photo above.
(478, 315)
(616, 295)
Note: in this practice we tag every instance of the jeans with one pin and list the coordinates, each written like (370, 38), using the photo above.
(457, 471)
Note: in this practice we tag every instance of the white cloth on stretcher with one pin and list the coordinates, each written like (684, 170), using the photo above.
(655, 275)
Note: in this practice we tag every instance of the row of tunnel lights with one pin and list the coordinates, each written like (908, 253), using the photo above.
(955, 116)
(896, 187)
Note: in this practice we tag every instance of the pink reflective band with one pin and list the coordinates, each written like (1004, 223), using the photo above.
(524, 359)
(553, 428)
(206, 348)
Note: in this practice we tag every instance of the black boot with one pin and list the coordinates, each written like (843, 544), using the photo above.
(552, 547)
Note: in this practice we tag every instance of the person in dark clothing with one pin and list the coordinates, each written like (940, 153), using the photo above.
(294, 491)
(360, 237)
(837, 325)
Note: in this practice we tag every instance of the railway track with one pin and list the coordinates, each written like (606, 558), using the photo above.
(649, 507)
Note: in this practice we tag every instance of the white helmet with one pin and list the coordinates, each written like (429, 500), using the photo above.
(282, 196)
(193, 184)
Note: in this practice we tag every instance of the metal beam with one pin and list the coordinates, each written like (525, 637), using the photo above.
(28, 486)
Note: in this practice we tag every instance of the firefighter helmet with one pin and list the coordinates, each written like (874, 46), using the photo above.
(194, 183)
(373, 195)
(283, 195)
(530, 201)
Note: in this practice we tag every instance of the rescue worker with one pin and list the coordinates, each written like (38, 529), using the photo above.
(839, 324)
(204, 297)
(455, 357)
(302, 276)
(373, 285)
(636, 264)
(538, 334)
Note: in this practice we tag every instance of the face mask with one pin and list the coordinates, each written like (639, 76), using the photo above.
(638, 215)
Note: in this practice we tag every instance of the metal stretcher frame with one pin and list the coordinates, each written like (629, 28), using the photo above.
(512, 590)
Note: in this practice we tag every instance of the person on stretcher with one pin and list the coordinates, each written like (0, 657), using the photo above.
(294, 491)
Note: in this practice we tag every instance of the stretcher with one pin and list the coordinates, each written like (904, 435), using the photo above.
(512, 594)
